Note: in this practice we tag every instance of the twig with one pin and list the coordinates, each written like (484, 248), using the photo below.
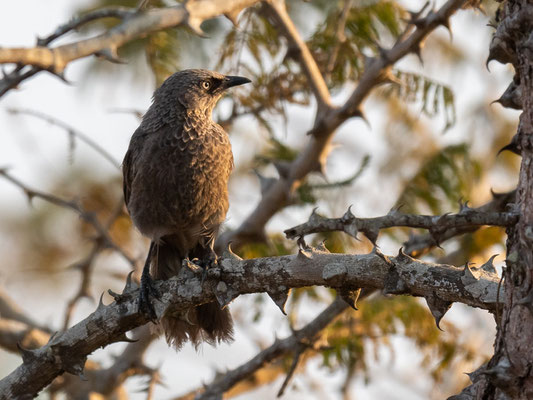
(339, 34)
(86, 267)
(70, 130)
(87, 216)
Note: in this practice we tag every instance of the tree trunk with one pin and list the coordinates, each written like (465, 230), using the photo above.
(509, 374)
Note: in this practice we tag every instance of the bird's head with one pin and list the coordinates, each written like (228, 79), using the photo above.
(197, 89)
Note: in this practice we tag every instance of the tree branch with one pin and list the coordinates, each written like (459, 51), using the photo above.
(418, 244)
(402, 274)
(307, 334)
(467, 219)
(135, 23)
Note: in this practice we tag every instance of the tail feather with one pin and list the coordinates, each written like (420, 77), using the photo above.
(204, 323)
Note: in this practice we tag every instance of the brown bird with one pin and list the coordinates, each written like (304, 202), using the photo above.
(176, 174)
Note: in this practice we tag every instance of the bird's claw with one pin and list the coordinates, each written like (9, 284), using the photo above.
(145, 304)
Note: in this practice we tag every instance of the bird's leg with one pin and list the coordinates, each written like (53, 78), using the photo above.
(147, 286)
(209, 259)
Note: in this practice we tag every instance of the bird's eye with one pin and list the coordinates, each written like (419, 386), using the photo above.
(206, 85)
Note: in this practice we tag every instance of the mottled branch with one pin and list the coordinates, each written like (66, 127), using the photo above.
(402, 274)
(418, 244)
(467, 219)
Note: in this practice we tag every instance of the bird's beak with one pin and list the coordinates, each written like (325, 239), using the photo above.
(231, 81)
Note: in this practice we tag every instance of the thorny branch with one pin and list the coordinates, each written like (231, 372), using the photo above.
(418, 244)
(402, 274)
(135, 23)
(467, 219)
(313, 157)
(18, 331)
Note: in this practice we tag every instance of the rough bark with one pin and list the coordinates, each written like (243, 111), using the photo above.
(440, 284)
(509, 374)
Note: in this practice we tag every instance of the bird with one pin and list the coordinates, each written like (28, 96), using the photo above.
(175, 181)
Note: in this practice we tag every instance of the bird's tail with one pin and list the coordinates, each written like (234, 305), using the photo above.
(204, 323)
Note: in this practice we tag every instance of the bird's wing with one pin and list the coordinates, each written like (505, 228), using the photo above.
(129, 164)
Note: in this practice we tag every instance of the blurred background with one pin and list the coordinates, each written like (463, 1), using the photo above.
(430, 141)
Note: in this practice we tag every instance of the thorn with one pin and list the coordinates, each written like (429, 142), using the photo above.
(512, 97)
(76, 369)
(470, 275)
(513, 146)
(489, 265)
(438, 307)
(28, 356)
(130, 284)
(348, 216)
(499, 51)
(195, 25)
(228, 253)
(115, 296)
(350, 296)
(372, 235)
(322, 247)
(463, 207)
(418, 52)
(304, 255)
(124, 338)
(446, 23)
(315, 218)
(60, 74)
(280, 298)
(402, 256)
(224, 294)
(378, 253)
(100, 303)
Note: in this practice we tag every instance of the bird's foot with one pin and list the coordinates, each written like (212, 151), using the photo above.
(145, 304)
(209, 261)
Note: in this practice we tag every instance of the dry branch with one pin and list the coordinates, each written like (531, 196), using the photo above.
(402, 274)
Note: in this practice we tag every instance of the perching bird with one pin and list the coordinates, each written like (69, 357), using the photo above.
(176, 175)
